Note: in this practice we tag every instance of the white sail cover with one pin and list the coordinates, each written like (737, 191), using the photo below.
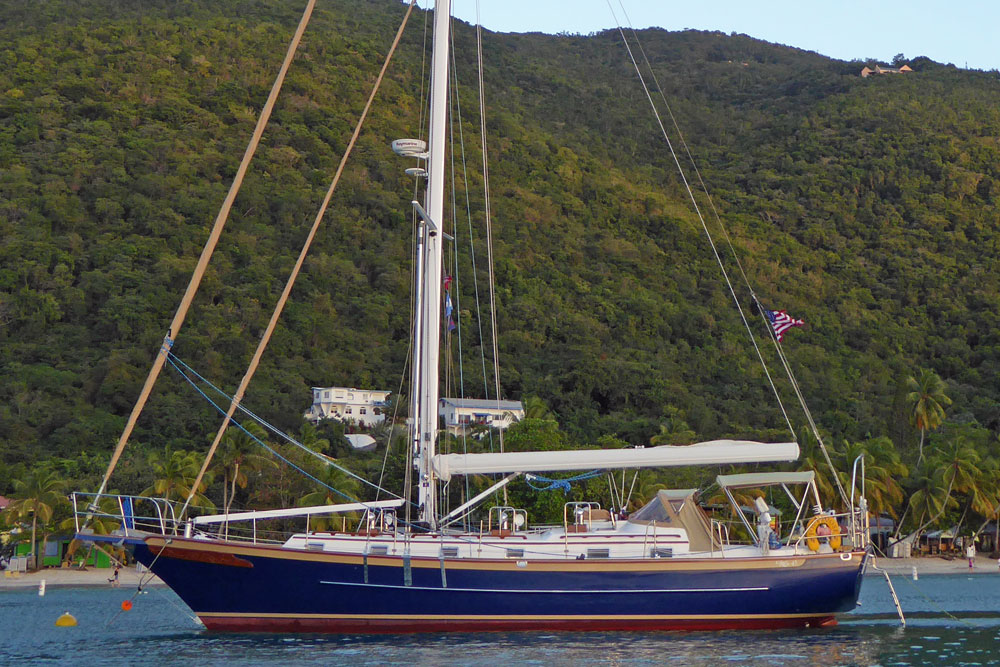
(715, 452)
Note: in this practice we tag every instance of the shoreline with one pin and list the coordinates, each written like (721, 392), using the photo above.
(932, 565)
(59, 577)
(129, 577)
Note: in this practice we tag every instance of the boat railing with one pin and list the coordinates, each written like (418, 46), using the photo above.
(860, 519)
(133, 514)
(142, 515)
(579, 516)
(720, 530)
(503, 520)
(646, 549)
(840, 531)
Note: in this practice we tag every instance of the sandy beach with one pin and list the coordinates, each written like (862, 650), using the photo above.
(129, 577)
(934, 565)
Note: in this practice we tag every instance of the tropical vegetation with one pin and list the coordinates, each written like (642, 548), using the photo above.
(867, 207)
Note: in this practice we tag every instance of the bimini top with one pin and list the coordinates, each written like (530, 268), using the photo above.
(751, 479)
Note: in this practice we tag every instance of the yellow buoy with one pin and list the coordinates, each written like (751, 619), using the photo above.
(67, 620)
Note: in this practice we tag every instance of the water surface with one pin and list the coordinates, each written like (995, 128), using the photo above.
(952, 620)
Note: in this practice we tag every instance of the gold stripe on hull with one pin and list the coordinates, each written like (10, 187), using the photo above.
(533, 564)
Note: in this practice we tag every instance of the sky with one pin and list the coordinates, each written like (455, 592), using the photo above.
(961, 32)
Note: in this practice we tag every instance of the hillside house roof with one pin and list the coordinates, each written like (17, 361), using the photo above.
(482, 404)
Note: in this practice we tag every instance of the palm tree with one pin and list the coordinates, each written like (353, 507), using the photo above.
(812, 460)
(174, 474)
(673, 430)
(926, 395)
(952, 468)
(535, 408)
(959, 459)
(38, 495)
(931, 495)
(332, 478)
(989, 488)
(309, 437)
(238, 454)
(883, 470)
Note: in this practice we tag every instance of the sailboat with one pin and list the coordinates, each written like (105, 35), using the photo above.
(668, 566)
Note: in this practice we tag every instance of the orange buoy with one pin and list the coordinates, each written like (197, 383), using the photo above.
(126, 605)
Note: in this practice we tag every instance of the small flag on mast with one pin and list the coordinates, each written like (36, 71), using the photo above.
(781, 322)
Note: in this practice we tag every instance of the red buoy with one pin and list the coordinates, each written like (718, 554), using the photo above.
(126, 605)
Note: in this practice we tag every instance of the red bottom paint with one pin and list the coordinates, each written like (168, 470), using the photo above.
(400, 626)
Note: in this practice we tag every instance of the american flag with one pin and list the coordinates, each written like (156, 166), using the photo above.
(781, 322)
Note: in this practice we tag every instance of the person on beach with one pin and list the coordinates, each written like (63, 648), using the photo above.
(970, 553)
(115, 583)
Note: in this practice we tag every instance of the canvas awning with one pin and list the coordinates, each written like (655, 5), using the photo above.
(948, 534)
(751, 479)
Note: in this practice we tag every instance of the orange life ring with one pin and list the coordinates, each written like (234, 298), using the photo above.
(825, 527)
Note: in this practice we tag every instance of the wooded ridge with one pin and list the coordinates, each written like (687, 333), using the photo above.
(866, 206)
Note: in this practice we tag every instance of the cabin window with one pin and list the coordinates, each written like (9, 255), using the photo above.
(378, 550)
(598, 553)
(449, 552)
(314, 546)
(660, 552)
(515, 553)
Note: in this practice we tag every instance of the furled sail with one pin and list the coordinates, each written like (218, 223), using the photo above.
(714, 452)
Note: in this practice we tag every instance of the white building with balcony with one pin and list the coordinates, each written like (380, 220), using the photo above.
(365, 407)
(462, 414)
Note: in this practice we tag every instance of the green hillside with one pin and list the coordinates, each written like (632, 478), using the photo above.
(867, 207)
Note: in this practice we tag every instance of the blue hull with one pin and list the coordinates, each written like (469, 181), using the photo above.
(243, 587)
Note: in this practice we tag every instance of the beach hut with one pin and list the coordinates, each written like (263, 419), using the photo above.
(53, 551)
(938, 541)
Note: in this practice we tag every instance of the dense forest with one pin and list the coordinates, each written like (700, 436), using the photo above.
(866, 206)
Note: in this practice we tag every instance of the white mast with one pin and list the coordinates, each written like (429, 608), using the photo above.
(428, 345)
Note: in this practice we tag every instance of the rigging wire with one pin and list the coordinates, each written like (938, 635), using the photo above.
(489, 224)
(186, 372)
(457, 112)
(701, 218)
(780, 352)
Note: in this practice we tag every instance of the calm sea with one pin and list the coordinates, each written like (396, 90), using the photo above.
(952, 620)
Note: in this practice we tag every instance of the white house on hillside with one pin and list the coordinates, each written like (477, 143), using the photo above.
(362, 406)
(460, 414)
